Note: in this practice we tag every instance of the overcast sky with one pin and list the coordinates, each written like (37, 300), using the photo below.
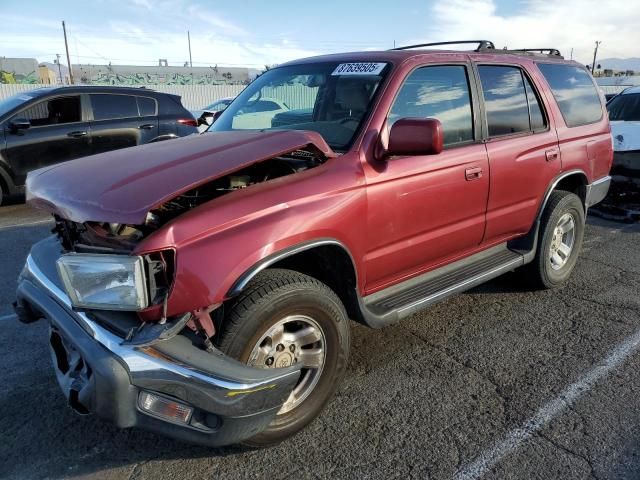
(255, 33)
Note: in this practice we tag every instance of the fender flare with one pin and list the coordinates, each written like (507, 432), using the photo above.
(528, 244)
(552, 186)
(242, 281)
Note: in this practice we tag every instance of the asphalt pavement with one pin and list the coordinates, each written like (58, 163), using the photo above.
(497, 383)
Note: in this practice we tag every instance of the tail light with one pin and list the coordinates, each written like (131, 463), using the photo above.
(191, 122)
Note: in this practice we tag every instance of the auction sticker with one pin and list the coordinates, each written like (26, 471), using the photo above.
(359, 69)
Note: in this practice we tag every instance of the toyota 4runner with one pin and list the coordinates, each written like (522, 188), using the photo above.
(202, 288)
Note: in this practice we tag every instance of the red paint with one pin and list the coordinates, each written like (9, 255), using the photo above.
(397, 217)
(123, 185)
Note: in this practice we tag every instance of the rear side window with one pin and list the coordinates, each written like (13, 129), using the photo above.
(53, 112)
(440, 92)
(625, 108)
(147, 106)
(505, 100)
(575, 93)
(108, 107)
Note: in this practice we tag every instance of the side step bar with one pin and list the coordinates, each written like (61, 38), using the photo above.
(399, 301)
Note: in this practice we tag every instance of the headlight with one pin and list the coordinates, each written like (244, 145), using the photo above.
(108, 282)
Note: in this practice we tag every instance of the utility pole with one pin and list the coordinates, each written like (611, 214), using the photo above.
(595, 54)
(66, 46)
(59, 68)
(571, 58)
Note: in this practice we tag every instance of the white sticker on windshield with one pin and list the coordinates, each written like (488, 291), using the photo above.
(25, 97)
(359, 69)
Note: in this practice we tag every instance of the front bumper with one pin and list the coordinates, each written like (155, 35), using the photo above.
(100, 375)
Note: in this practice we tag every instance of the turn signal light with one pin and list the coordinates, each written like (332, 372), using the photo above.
(165, 408)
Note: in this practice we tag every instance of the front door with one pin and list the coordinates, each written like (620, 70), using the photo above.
(57, 133)
(427, 210)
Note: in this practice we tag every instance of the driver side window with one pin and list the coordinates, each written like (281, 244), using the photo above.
(440, 92)
(53, 112)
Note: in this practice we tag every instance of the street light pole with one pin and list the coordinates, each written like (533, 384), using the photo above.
(595, 54)
(59, 68)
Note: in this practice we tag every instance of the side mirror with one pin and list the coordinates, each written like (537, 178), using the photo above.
(215, 116)
(415, 136)
(19, 124)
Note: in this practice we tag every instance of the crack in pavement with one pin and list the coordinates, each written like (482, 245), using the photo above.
(568, 451)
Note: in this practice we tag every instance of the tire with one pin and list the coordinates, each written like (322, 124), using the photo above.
(251, 334)
(546, 271)
(2, 193)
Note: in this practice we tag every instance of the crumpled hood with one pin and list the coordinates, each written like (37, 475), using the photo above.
(626, 135)
(122, 186)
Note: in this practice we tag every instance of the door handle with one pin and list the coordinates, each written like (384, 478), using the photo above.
(146, 126)
(473, 173)
(77, 134)
(551, 154)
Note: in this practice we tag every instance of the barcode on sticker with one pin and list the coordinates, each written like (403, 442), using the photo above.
(359, 69)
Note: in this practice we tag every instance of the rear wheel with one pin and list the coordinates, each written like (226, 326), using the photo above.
(284, 318)
(559, 241)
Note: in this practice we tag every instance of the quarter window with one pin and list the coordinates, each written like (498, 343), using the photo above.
(440, 92)
(53, 112)
(575, 93)
(146, 106)
(108, 107)
(505, 100)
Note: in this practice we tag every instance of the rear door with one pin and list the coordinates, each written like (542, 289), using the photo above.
(118, 123)
(57, 133)
(523, 149)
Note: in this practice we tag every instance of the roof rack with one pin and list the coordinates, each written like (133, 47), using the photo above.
(547, 51)
(482, 45)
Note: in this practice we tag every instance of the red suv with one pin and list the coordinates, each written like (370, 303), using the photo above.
(202, 288)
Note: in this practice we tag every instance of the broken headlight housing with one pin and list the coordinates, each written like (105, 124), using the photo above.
(104, 282)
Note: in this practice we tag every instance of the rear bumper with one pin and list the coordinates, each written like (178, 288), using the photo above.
(626, 163)
(99, 375)
(597, 190)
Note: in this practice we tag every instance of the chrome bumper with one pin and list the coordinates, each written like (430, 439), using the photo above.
(227, 389)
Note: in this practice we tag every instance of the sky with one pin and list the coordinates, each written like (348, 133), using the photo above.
(256, 33)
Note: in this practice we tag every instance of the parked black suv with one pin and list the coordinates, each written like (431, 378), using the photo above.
(51, 125)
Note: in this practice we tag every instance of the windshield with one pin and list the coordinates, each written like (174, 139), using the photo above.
(625, 107)
(332, 99)
(13, 101)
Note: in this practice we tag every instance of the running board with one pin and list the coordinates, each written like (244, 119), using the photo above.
(399, 301)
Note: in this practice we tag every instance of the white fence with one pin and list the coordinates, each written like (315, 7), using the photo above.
(193, 96)
(198, 96)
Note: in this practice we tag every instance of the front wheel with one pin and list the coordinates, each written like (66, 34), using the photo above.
(559, 241)
(284, 318)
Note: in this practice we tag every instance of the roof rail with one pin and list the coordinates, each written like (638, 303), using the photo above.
(482, 45)
(549, 51)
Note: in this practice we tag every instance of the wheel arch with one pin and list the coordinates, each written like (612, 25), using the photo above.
(575, 181)
(327, 260)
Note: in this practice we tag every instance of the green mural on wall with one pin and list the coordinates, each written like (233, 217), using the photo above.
(13, 77)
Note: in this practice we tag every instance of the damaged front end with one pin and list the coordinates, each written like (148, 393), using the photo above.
(116, 349)
(173, 387)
